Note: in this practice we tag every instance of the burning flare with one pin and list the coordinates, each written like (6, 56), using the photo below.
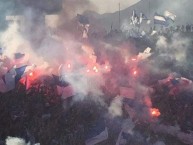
(155, 112)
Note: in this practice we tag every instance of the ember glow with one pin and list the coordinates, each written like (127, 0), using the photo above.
(155, 112)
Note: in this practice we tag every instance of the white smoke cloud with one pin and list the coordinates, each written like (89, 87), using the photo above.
(176, 48)
(15, 141)
(115, 108)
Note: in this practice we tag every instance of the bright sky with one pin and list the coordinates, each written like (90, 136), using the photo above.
(106, 6)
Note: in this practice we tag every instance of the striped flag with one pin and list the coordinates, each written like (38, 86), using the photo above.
(160, 20)
(11, 78)
(142, 17)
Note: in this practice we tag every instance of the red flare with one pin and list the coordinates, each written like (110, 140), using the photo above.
(69, 66)
(135, 73)
(106, 67)
(95, 69)
(88, 71)
(31, 74)
(155, 112)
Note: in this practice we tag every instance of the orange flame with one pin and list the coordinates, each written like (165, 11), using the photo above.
(155, 112)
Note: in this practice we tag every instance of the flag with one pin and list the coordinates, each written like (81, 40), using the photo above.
(61, 72)
(1, 51)
(134, 18)
(96, 133)
(59, 82)
(147, 53)
(143, 33)
(185, 81)
(85, 31)
(170, 15)
(153, 33)
(2, 86)
(10, 79)
(148, 22)
(65, 92)
(127, 92)
(125, 136)
(19, 73)
(82, 19)
(159, 19)
(142, 17)
(64, 89)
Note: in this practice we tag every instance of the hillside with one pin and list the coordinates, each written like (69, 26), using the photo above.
(183, 10)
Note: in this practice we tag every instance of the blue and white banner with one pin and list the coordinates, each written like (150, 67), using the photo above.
(160, 20)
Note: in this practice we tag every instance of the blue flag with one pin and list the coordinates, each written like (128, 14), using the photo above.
(96, 133)
(1, 51)
(82, 19)
(19, 73)
(160, 20)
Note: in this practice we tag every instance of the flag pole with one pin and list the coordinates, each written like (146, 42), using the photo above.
(119, 16)
(149, 7)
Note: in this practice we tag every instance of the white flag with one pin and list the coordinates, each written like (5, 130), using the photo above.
(170, 15)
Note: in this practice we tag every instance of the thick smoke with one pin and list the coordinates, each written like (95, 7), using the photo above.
(15, 141)
(115, 108)
(49, 48)
(171, 53)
